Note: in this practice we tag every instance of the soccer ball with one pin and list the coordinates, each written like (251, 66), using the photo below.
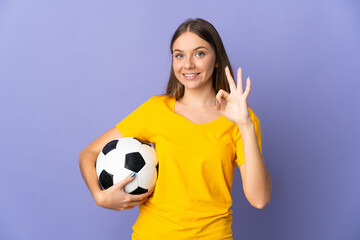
(120, 157)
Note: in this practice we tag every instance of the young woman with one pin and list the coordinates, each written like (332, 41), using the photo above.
(201, 129)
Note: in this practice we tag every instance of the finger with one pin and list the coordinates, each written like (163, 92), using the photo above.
(140, 202)
(135, 203)
(239, 80)
(248, 86)
(151, 190)
(230, 79)
(139, 197)
(125, 181)
(127, 208)
(221, 94)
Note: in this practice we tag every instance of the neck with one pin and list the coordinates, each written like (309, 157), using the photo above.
(199, 98)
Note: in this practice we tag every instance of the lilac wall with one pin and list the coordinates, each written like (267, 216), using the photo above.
(70, 70)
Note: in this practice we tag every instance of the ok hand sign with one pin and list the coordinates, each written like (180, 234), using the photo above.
(236, 109)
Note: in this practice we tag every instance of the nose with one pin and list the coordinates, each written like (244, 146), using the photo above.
(189, 63)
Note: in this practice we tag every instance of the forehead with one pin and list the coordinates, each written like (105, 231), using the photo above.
(188, 41)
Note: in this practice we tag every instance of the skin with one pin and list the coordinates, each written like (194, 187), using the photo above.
(199, 92)
(199, 97)
(114, 197)
(198, 105)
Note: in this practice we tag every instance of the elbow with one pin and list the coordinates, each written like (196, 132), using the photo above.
(266, 198)
(82, 155)
(261, 205)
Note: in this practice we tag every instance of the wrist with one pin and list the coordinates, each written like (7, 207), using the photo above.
(245, 126)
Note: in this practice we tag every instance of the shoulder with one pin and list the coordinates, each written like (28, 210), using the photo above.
(160, 99)
(253, 116)
(256, 122)
(157, 102)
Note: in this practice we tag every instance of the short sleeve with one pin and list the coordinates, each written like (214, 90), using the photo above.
(136, 124)
(239, 159)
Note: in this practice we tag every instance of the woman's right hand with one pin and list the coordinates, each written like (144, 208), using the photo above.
(116, 198)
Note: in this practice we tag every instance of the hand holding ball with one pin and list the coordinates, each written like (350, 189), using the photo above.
(121, 157)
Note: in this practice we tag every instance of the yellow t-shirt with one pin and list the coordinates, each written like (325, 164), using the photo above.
(192, 197)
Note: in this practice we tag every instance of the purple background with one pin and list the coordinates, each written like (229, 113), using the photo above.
(71, 70)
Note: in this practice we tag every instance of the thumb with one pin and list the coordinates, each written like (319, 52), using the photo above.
(125, 181)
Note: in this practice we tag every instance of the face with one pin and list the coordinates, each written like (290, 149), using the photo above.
(193, 60)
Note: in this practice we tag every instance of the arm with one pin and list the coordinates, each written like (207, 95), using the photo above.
(87, 160)
(114, 197)
(255, 177)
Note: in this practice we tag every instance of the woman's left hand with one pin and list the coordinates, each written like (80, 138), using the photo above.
(236, 108)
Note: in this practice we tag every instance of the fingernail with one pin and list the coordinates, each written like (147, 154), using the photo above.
(132, 174)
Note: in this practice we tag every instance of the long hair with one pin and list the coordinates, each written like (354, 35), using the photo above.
(206, 31)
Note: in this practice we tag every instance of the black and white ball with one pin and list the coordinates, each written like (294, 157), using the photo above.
(120, 157)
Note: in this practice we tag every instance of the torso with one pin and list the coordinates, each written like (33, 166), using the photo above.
(196, 115)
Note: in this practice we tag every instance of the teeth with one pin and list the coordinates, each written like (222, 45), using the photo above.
(190, 75)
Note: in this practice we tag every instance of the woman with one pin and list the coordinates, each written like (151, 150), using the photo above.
(201, 129)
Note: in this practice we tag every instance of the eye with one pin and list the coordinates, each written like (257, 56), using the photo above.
(200, 54)
(178, 55)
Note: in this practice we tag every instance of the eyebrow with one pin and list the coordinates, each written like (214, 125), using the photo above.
(194, 49)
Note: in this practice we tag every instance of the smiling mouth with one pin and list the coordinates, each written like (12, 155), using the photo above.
(190, 76)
